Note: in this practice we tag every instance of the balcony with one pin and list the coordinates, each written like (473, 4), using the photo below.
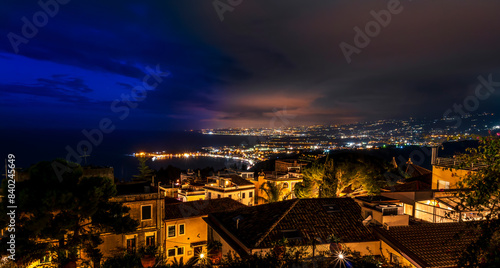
(455, 163)
(187, 192)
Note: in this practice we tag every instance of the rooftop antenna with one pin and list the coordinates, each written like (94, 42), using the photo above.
(85, 155)
(6, 172)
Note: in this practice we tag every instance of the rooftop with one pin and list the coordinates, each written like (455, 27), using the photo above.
(306, 219)
(456, 163)
(200, 208)
(376, 199)
(411, 186)
(134, 188)
(416, 171)
(429, 245)
(238, 180)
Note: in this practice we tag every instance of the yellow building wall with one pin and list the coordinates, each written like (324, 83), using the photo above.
(443, 174)
(115, 244)
(195, 230)
(258, 183)
(365, 248)
(388, 250)
(235, 195)
(195, 197)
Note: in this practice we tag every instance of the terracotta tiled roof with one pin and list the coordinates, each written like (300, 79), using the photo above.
(200, 208)
(431, 244)
(260, 226)
(239, 180)
(133, 187)
(411, 186)
(416, 171)
(171, 200)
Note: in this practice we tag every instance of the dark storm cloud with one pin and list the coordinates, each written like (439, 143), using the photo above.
(58, 87)
(266, 56)
(427, 58)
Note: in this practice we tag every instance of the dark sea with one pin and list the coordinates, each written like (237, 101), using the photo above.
(115, 148)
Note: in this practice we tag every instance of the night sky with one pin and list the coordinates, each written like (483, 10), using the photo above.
(266, 58)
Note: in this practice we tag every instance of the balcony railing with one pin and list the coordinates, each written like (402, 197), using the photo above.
(452, 162)
(390, 211)
(191, 192)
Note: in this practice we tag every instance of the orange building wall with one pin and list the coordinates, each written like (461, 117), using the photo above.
(443, 174)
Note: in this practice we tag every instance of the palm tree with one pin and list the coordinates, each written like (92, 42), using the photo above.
(274, 192)
(180, 264)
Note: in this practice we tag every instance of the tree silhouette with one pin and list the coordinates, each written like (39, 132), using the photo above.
(479, 191)
(145, 172)
(62, 213)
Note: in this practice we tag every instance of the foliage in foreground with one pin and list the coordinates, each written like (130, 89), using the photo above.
(297, 257)
(60, 212)
(480, 191)
(145, 172)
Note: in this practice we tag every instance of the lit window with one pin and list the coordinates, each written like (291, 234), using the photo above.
(150, 240)
(131, 245)
(181, 229)
(443, 184)
(146, 212)
(46, 259)
(171, 231)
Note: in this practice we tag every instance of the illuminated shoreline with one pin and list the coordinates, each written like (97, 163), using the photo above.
(163, 156)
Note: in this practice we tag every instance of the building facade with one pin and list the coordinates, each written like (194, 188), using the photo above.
(231, 186)
(185, 230)
(147, 209)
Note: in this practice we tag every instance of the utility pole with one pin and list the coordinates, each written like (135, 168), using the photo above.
(85, 155)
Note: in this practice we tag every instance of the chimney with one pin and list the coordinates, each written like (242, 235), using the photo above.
(434, 155)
